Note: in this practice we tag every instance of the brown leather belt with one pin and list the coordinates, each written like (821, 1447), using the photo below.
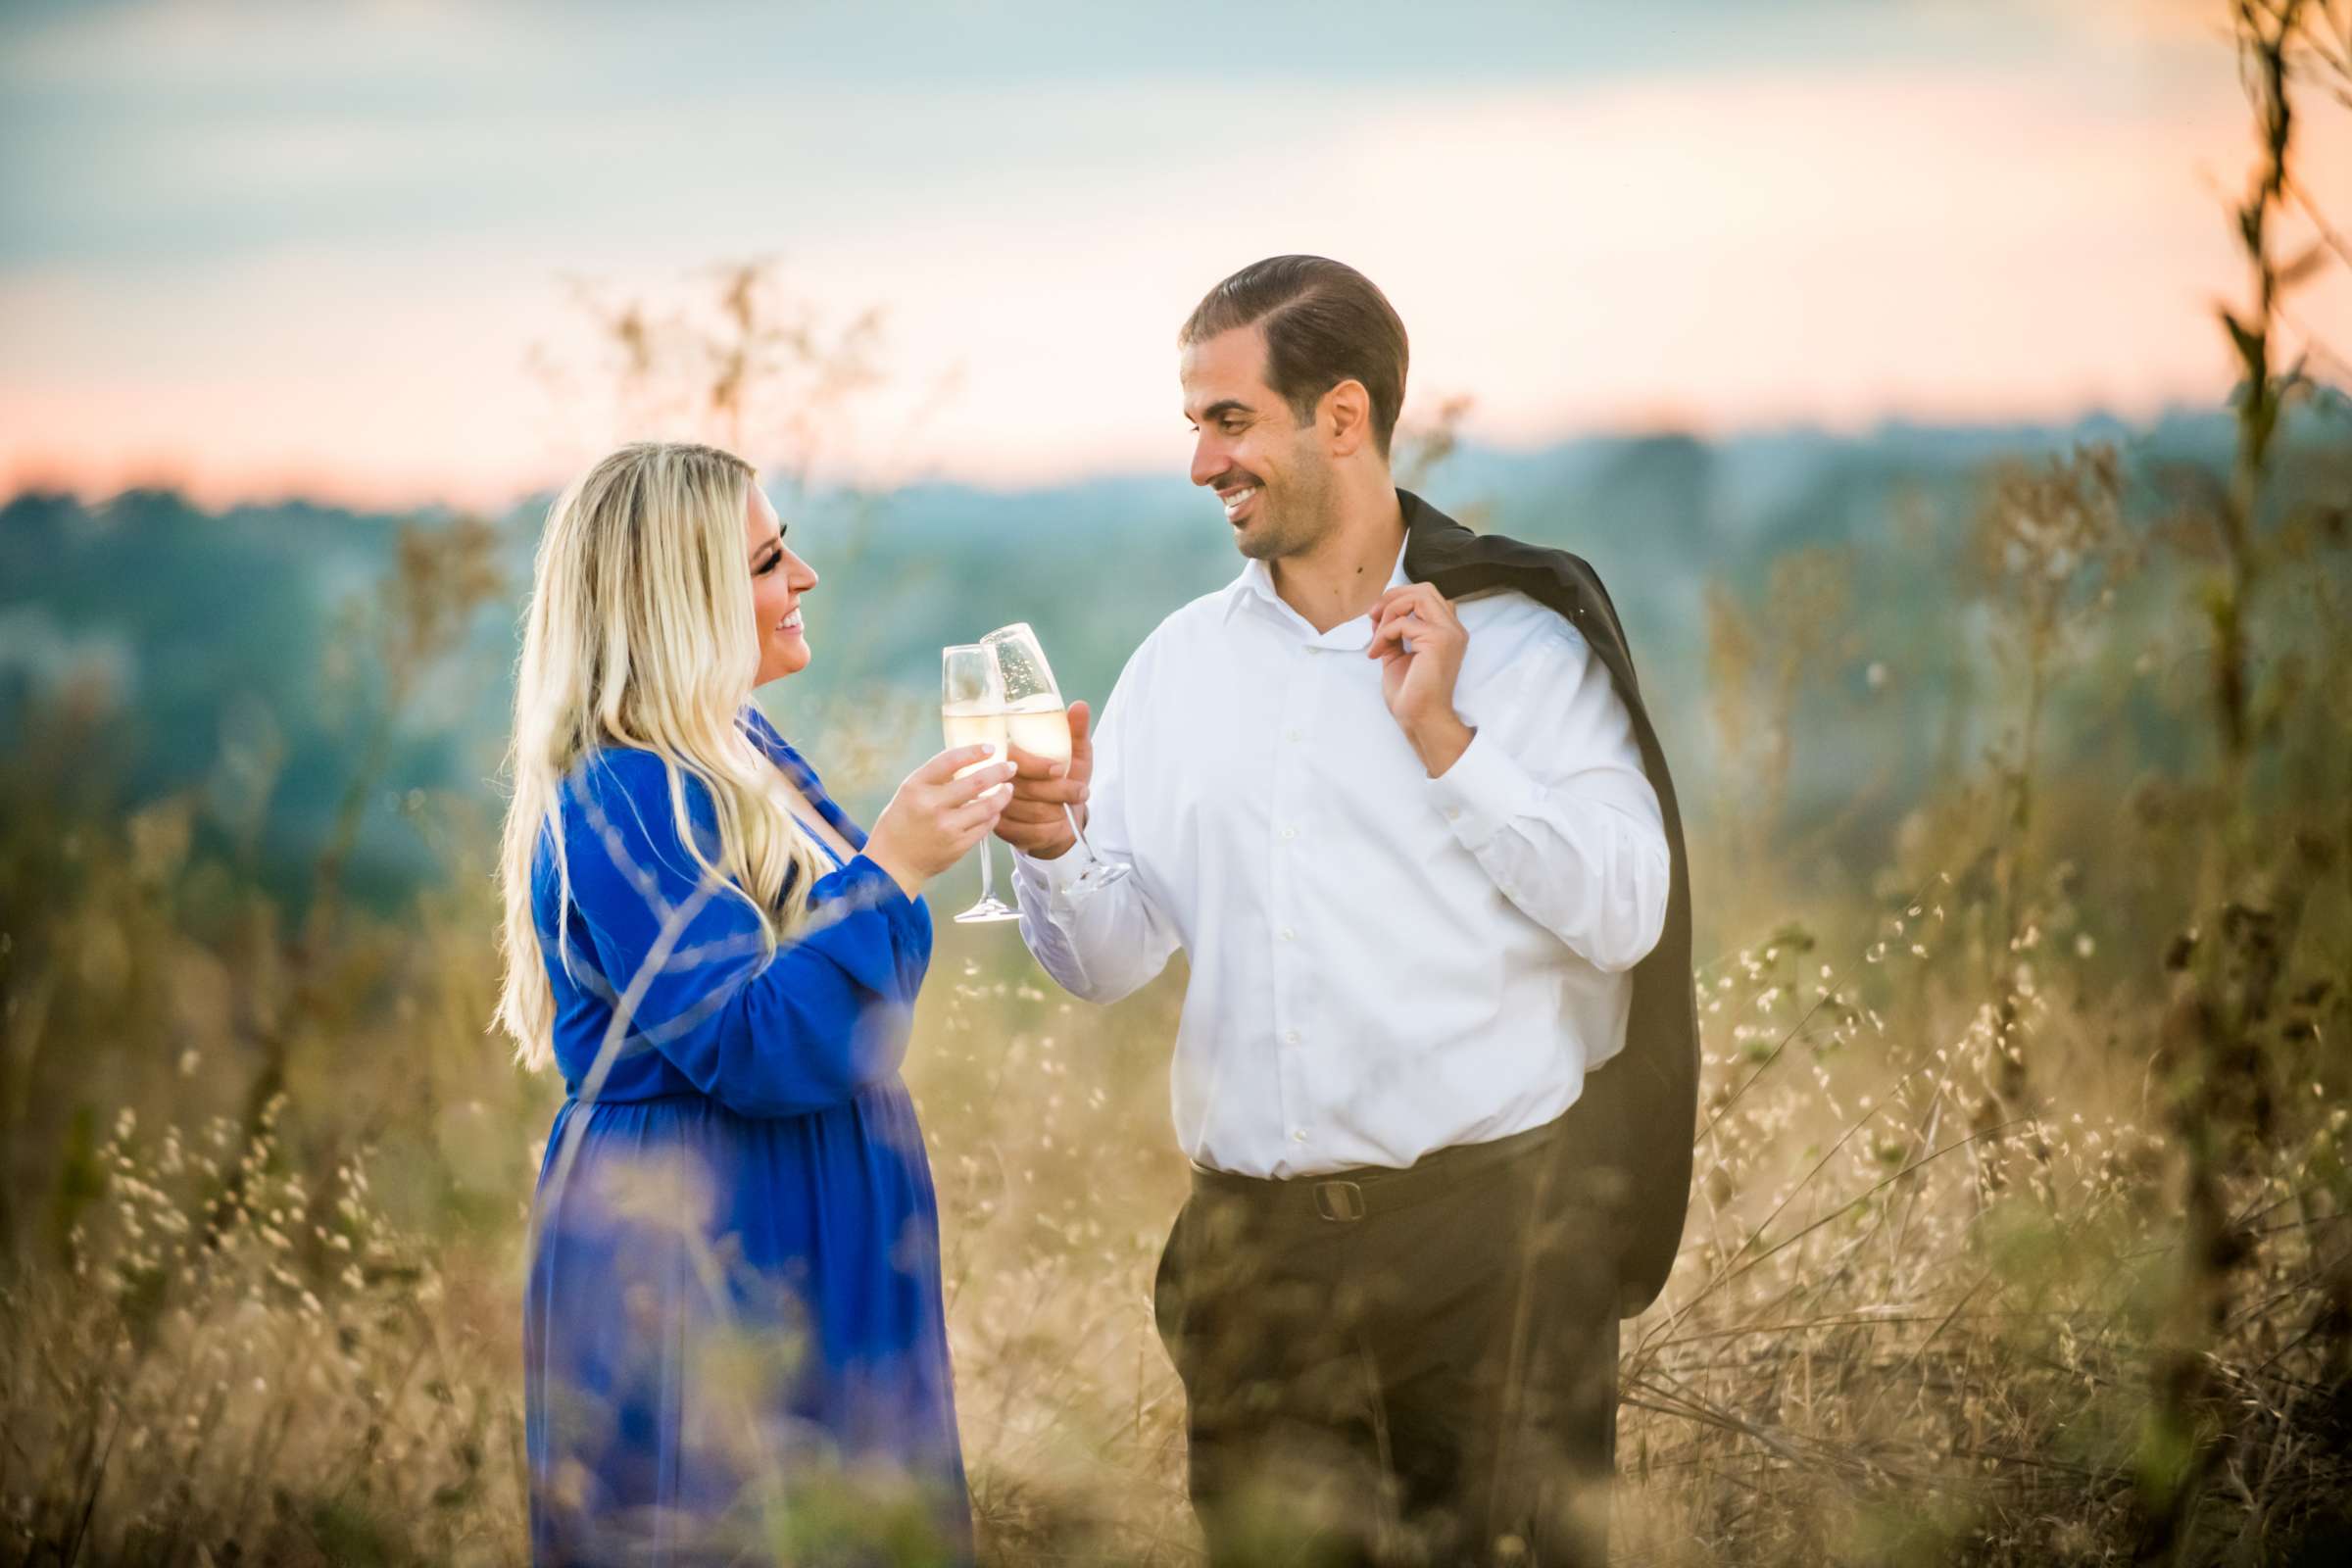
(1359, 1192)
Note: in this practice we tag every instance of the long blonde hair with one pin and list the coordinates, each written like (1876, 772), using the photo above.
(639, 633)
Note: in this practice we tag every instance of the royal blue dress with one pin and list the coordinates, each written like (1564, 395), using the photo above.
(734, 1342)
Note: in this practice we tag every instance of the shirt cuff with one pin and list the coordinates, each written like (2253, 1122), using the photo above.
(1057, 876)
(1484, 789)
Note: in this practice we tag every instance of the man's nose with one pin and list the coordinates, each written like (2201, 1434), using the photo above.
(1209, 459)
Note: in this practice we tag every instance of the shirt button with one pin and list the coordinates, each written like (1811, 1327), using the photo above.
(1288, 934)
(1453, 814)
(1290, 833)
(1298, 1135)
(1290, 1037)
(1290, 735)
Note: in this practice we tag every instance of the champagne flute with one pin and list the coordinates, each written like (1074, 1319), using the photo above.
(1038, 721)
(971, 711)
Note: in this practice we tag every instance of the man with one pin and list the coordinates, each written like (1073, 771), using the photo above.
(1423, 856)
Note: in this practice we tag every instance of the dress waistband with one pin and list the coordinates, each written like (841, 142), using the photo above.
(636, 1100)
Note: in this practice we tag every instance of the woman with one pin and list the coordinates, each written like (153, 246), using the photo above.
(734, 1336)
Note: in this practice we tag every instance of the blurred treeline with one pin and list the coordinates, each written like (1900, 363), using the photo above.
(229, 654)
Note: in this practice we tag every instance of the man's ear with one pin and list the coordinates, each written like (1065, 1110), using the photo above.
(1346, 418)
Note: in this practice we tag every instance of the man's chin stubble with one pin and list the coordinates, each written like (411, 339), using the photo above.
(1268, 541)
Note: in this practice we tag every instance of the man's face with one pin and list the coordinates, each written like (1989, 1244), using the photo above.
(1272, 475)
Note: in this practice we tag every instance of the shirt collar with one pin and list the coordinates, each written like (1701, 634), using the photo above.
(1255, 581)
(1397, 576)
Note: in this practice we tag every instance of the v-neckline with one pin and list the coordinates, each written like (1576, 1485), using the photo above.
(804, 782)
(826, 838)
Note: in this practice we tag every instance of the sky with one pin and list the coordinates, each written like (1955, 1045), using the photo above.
(257, 248)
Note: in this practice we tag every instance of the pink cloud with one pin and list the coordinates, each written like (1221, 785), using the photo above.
(1710, 252)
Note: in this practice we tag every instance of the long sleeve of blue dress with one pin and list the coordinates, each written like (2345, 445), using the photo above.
(820, 1020)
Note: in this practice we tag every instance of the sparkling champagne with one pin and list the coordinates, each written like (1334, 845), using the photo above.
(976, 724)
(1040, 726)
(1038, 721)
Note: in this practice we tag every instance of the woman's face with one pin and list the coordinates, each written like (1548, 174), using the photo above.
(778, 580)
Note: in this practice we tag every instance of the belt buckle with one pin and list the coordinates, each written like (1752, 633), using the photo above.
(1340, 1200)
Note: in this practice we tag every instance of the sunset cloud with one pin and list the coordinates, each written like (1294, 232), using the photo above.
(319, 253)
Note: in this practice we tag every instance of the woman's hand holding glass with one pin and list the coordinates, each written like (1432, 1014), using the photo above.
(935, 818)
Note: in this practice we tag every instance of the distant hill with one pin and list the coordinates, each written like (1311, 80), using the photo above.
(209, 631)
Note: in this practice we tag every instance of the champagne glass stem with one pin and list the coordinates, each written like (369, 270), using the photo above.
(1100, 872)
(972, 712)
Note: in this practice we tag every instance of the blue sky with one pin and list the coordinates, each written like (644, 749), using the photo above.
(260, 246)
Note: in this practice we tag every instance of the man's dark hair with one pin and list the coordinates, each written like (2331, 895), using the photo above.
(1325, 323)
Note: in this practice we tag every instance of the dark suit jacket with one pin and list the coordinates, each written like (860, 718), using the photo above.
(1631, 1133)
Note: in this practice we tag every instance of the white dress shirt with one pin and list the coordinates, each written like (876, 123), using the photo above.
(1383, 963)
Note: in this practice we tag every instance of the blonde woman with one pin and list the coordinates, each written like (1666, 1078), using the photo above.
(733, 1333)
